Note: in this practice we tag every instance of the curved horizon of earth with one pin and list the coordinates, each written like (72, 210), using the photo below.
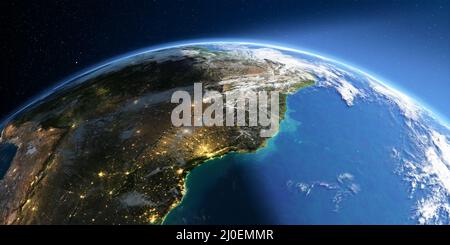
(350, 150)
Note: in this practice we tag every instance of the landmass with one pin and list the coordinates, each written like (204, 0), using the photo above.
(103, 150)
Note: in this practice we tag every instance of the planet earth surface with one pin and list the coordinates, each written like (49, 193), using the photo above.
(100, 148)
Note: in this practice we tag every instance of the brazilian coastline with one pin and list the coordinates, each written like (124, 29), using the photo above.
(188, 179)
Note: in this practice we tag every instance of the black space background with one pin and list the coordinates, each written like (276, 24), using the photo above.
(45, 41)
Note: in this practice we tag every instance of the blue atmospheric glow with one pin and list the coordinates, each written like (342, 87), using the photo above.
(276, 45)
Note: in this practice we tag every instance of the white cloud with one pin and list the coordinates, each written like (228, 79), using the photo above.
(323, 73)
(408, 106)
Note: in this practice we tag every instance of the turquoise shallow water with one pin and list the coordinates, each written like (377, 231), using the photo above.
(329, 164)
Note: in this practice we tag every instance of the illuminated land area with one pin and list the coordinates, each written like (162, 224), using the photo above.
(103, 150)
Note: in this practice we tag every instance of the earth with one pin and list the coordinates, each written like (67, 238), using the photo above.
(100, 148)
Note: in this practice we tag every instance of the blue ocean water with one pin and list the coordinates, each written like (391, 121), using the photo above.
(7, 153)
(329, 164)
